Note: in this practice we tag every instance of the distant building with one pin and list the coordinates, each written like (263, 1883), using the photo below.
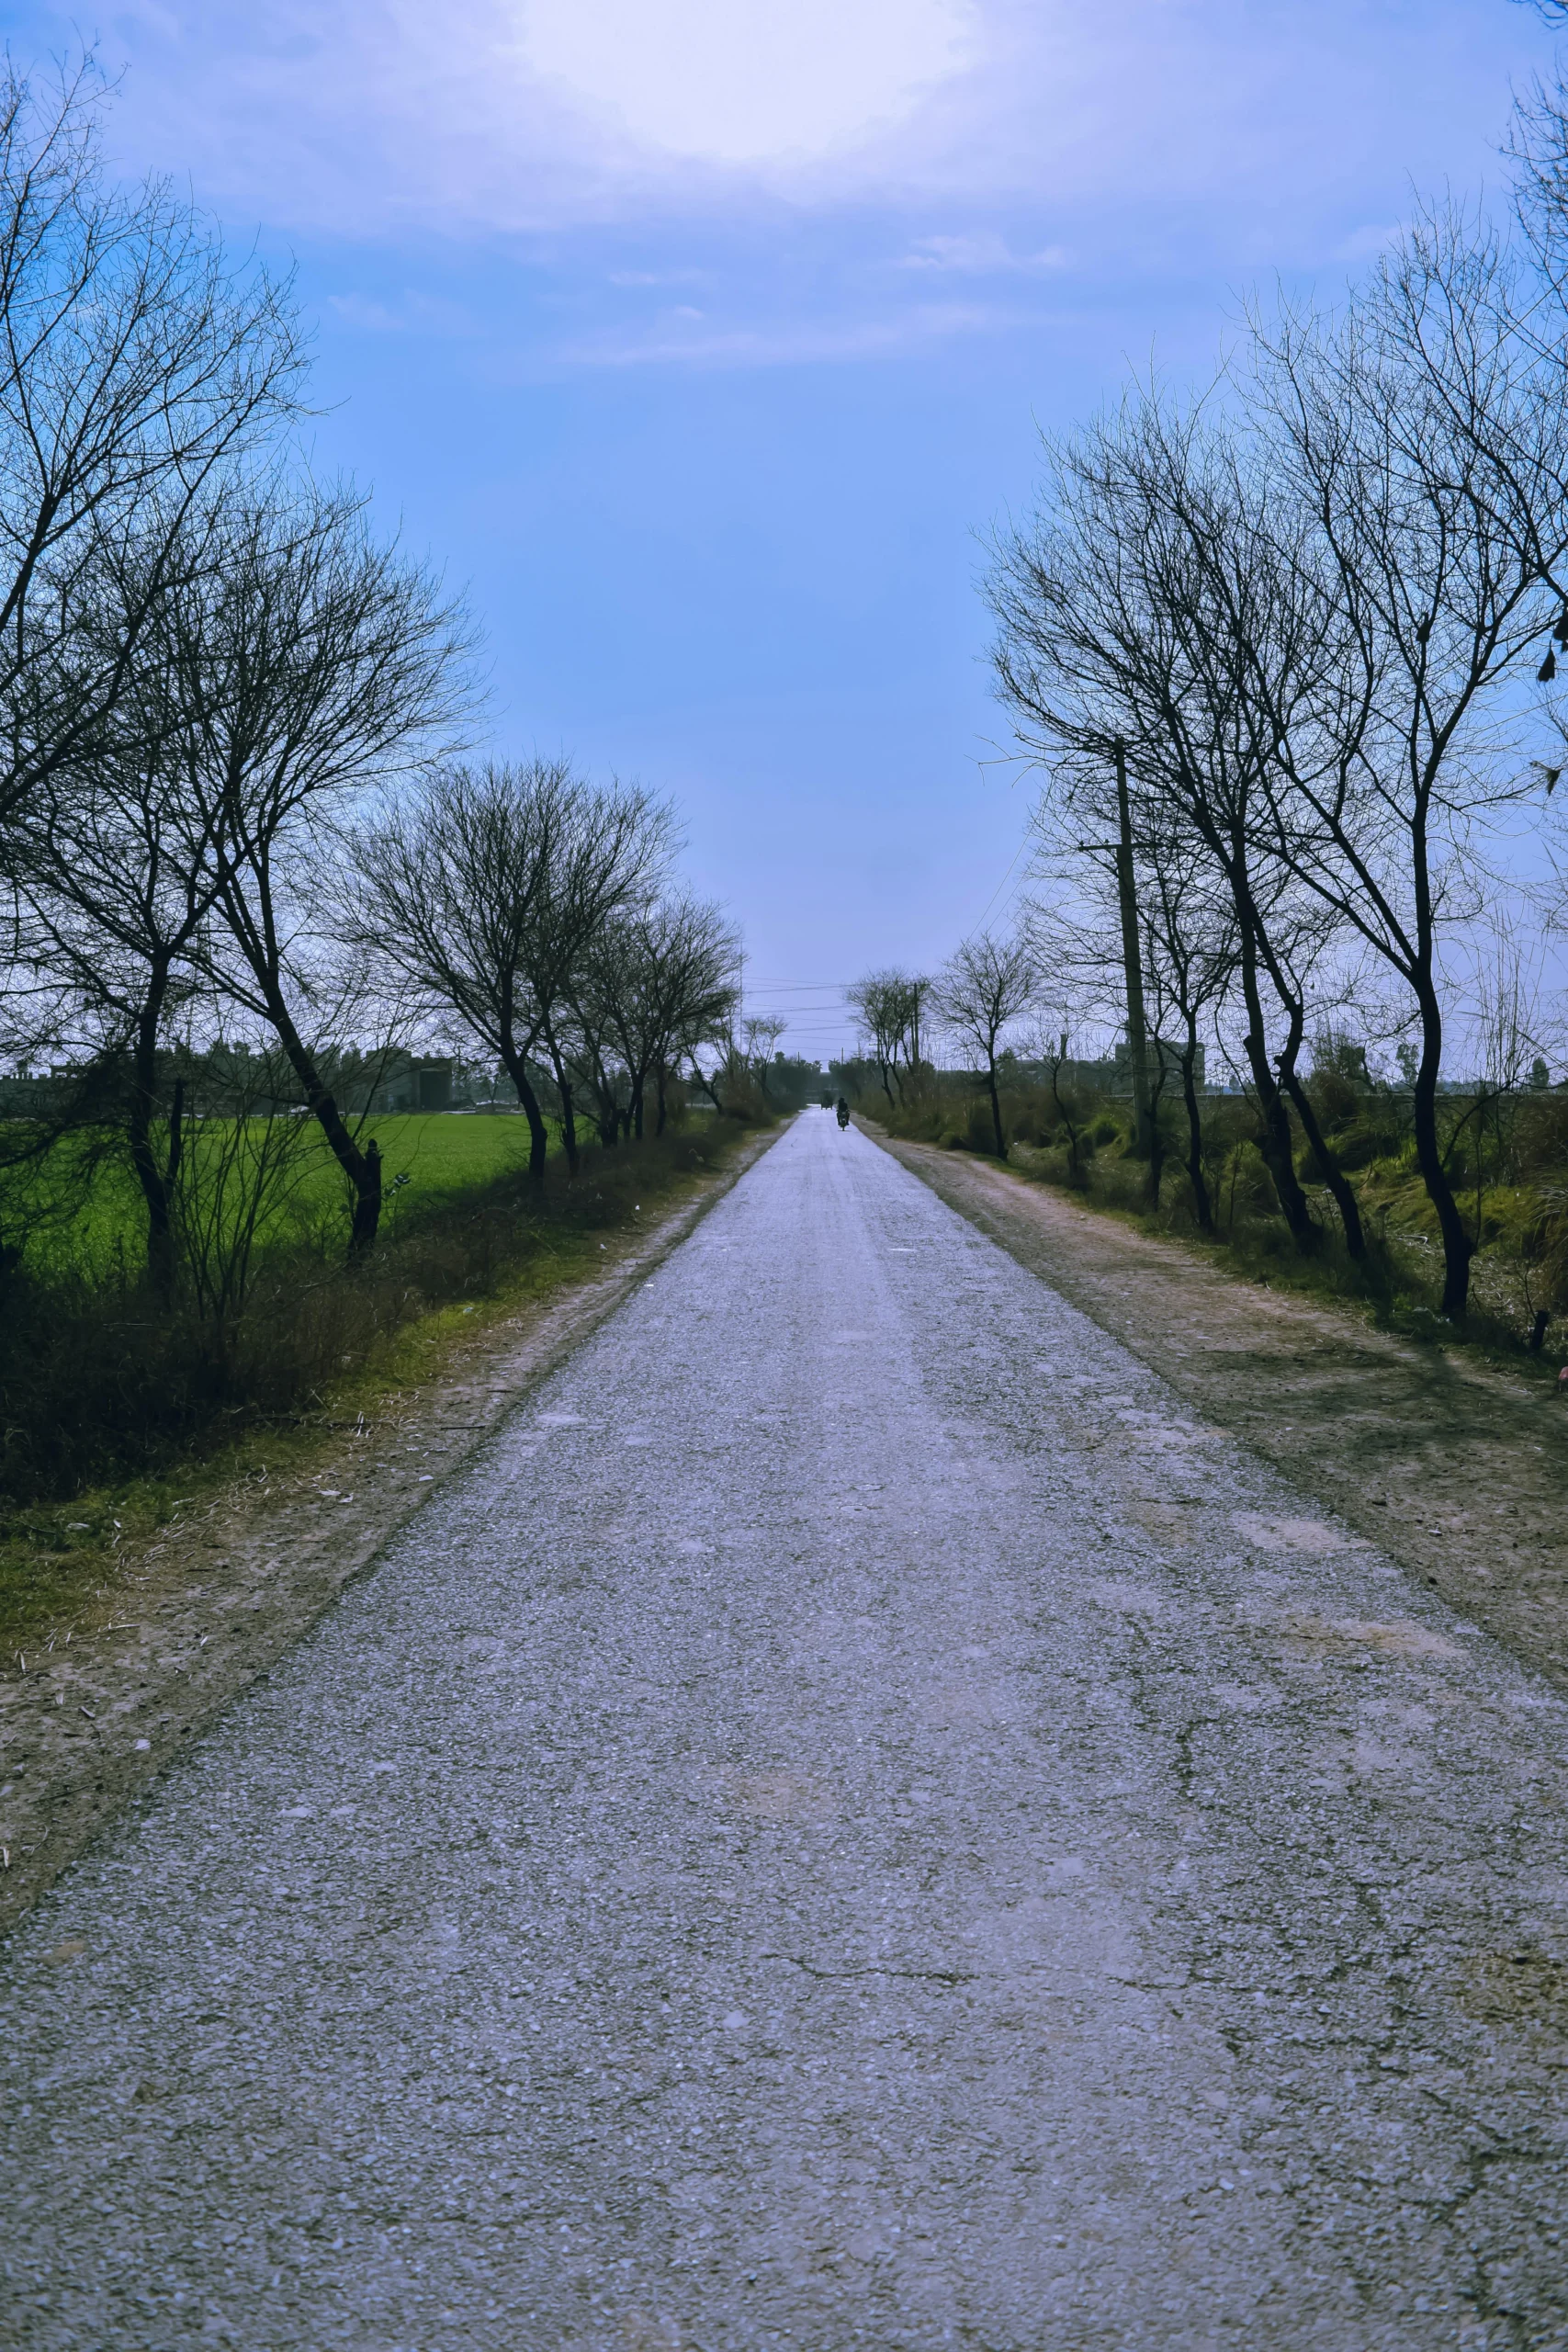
(415, 1082)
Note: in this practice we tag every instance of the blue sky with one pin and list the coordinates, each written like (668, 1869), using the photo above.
(701, 338)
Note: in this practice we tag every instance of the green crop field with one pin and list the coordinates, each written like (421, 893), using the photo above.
(83, 1214)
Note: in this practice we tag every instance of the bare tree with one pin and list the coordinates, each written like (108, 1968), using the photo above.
(1424, 439)
(304, 664)
(451, 885)
(873, 1001)
(488, 893)
(659, 986)
(987, 986)
(609, 861)
(115, 868)
(596, 1064)
(134, 364)
(891, 1005)
(1095, 602)
(707, 996)
(1191, 955)
(760, 1034)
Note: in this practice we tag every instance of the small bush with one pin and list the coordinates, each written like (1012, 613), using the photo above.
(97, 1383)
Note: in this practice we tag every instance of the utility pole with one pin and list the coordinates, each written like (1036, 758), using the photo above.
(1137, 1037)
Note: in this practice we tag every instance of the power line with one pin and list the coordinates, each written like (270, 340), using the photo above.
(1002, 886)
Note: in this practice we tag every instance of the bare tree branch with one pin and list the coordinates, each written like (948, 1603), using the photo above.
(135, 363)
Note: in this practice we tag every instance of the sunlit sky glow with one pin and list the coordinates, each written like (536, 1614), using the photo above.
(701, 338)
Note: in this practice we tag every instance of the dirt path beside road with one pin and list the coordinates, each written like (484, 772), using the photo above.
(1457, 1472)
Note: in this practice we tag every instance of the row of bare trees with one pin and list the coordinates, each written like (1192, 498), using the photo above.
(1286, 654)
(1317, 615)
(977, 1001)
(892, 1009)
(536, 912)
(236, 799)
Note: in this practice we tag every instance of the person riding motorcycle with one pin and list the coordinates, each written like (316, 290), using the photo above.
(843, 1113)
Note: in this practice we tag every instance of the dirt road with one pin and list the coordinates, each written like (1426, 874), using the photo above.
(856, 1819)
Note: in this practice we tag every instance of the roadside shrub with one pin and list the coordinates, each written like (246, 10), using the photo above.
(1030, 1119)
(99, 1383)
(1335, 1096)
(1508, 1157)
(1246, 1187)
(1541, 1133)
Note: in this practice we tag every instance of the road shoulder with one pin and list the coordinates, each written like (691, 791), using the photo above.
(1457, 1472)
(217, 1601)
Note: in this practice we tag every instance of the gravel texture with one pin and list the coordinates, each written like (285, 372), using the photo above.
(854, 1820)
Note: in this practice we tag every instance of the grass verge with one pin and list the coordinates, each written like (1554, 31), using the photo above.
(325, 1348)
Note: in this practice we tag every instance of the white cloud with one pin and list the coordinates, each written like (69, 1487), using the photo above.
(986, 255)
(412, 313)
(373, 117)
(673, 342)
(738, 81)
(661, 276)
(368, 116)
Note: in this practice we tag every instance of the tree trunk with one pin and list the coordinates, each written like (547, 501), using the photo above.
(1458, 1247)
(1274, 1140)
(1156, 1139)
(366, 1202)
(1202, 1206)
(172, 1166)
(157, 1183)
(662, 1110)
(539, 1134)
(1074, 1166)
(1328, 1167)
(567, 1109)
(363, 1169)
(996, 1110)
(637, 1106)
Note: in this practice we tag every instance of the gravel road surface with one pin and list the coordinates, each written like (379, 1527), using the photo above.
(855, 1821)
